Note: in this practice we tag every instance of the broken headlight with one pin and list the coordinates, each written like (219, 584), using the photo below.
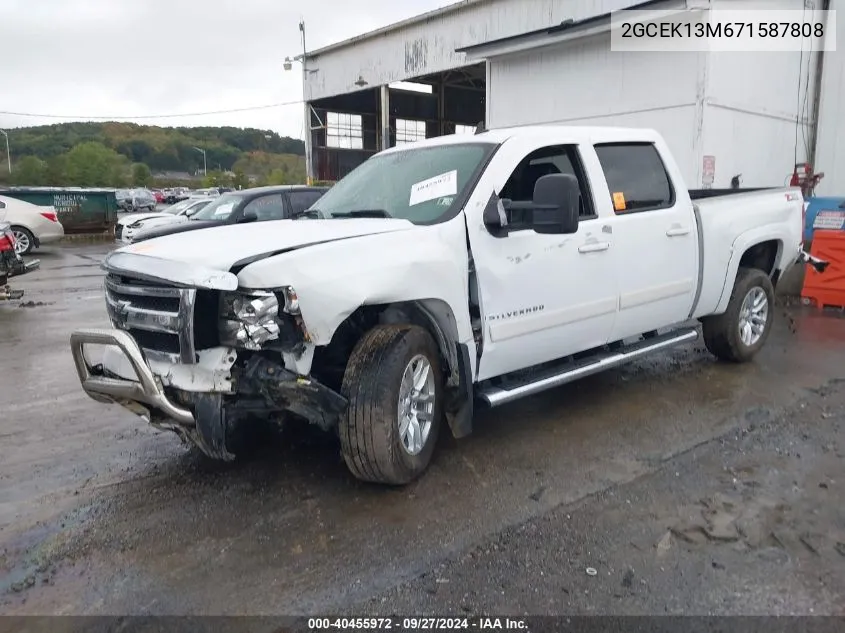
(249, 320)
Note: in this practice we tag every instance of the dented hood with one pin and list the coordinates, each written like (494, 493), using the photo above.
(222, 248)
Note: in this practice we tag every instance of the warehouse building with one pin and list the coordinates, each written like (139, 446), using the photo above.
(517, 62)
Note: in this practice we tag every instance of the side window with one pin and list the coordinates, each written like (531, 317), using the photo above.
(270, 207)
(301, 200)
(636, 177)
(519, 189)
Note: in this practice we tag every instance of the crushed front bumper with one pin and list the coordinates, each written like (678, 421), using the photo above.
(264, 387)
(147, 390)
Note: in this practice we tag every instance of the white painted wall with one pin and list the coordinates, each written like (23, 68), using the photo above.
(830, 154)
(428, 46)
(586, 84)
(758, 108)
(742, 108)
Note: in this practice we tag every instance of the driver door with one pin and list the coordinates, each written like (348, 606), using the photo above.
(541, 297)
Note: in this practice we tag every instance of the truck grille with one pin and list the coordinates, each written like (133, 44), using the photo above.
(159, 317)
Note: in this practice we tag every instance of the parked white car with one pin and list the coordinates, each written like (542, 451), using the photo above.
(129, 225)
(210, 193)
(33, 225)
(179, 212)
(434, 277)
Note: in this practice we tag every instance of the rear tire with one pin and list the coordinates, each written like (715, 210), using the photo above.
(23, 236)
(742, 330)
(394, 384)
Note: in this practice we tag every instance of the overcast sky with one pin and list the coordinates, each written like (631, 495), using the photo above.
(142, 57)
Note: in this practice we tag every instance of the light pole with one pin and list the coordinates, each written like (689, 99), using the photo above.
(8, 154)
(204, 161)
(307, 106)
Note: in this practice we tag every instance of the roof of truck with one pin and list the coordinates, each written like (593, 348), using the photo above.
(577, 133)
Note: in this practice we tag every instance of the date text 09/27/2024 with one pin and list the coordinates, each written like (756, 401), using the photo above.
(417, 624)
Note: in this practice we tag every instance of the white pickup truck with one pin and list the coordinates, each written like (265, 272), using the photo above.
(436, 276)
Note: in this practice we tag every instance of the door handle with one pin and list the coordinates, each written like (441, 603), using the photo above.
(676, 231)
(594, 247)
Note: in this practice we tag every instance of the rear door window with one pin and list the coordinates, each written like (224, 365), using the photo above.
(636, 177)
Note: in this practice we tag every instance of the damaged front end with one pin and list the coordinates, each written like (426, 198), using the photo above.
(200, 358)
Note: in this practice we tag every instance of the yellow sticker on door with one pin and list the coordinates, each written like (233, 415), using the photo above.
(618, 201)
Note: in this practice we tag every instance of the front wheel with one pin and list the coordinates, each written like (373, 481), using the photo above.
(739, 333)
(395, 389)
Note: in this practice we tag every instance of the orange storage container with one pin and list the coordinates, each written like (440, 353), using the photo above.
(827, 288)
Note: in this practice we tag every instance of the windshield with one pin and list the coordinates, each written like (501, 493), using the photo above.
(179, 207)
(219, 209)
(194, 207)
(420, 185)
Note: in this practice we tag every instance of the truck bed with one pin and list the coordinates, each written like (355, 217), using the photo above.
(700, 194)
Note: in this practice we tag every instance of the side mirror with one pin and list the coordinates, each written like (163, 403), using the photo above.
(556, 204)
(494, 217)
(248, 216)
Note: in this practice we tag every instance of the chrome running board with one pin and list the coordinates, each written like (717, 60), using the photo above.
(497, 395)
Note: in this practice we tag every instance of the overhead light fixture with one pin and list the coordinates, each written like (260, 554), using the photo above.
(361, 82)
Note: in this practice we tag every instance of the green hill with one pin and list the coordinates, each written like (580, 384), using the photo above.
(50, 154)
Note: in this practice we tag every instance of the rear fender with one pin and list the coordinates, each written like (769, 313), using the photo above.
(745, 241)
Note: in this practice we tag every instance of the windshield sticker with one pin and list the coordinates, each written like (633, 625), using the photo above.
(223, 210)
(619, 201)
(433, 188)
(445, 201)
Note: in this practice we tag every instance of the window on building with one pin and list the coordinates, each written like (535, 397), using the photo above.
(464, 129)
(408, 131)
(344, 131)
(636, 177)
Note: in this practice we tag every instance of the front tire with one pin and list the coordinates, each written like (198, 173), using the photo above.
(738, 334)
(394, 384)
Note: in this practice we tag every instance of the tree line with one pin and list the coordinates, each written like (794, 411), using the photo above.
(125, 154)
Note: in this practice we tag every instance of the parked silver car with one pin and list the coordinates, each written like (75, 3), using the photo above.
(141, 200)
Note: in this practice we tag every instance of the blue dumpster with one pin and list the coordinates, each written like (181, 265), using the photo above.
(824, 213)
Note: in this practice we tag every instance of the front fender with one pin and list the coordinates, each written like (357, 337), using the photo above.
(428, 265)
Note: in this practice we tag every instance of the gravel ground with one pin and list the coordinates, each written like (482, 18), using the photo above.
(687, 485)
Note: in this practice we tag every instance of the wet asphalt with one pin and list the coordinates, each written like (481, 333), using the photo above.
(102, 515)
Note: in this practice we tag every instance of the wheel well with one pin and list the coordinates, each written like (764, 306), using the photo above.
(330, 361)
(761, 256)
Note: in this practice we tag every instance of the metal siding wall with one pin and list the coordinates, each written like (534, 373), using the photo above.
(752, 102)
(429, 47)
(587, 84)
(758, 147)
(830, 154)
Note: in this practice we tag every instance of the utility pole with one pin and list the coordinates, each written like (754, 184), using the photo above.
(307, 106)
(309, 171)
(8, 153)
(204, 161)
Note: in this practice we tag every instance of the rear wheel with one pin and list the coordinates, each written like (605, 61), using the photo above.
(24, 240)
(394, 385)
(739, 333)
